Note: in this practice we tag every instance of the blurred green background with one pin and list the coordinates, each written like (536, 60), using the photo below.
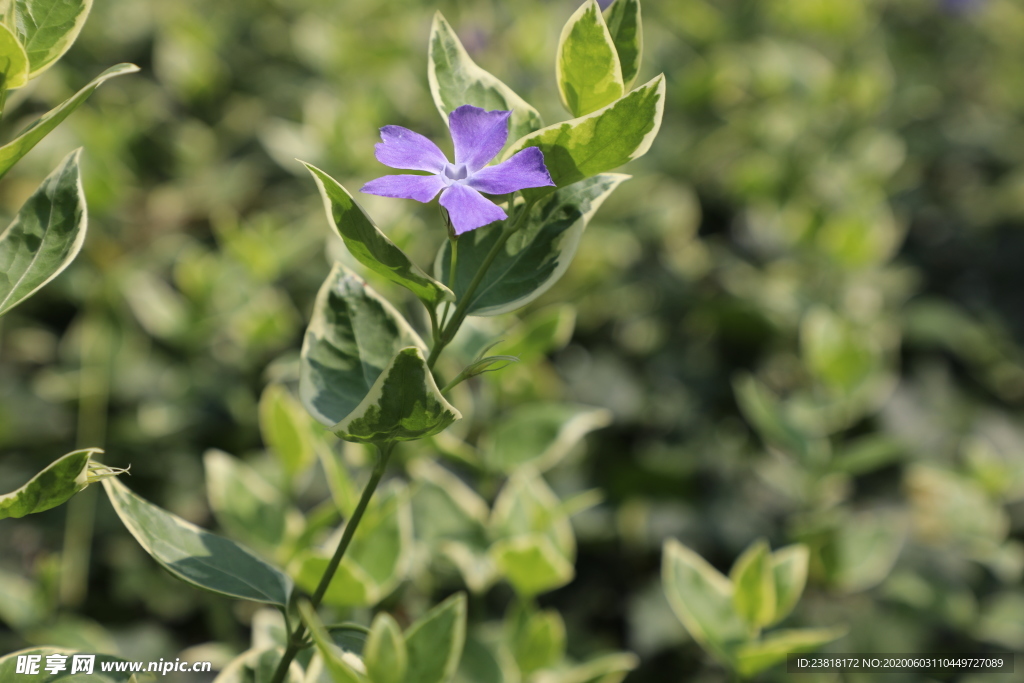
(804, 311)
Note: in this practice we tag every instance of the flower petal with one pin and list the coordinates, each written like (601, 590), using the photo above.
(468, 209)
(478, 134)
(403, 148)
(422, 188)
(523, 169)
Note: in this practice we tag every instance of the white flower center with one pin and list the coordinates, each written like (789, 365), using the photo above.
(456, 172)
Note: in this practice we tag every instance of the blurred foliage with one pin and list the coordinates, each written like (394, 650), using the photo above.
(800, 321)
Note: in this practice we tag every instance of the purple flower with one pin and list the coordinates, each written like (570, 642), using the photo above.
(478, 136)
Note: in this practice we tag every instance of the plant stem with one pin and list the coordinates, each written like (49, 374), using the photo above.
(295, 640)
(452, 326)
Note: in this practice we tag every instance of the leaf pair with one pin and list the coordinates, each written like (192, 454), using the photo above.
(526, 539)
(363, 373)
(428, 652)
(726, 615)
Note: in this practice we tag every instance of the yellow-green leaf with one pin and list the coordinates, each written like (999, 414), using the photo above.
(586, 64)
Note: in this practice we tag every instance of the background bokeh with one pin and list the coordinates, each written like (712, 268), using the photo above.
(804, 312)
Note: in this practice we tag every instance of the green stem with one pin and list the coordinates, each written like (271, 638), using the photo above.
(452, 326)
(297, 638)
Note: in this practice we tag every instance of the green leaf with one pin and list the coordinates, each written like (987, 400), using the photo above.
(9, 667)
(434, 643)
(753, 581)
(245, 505)
(370, 246)
(626, 29)
(527, 505)
(541, 332)
(587, 65)
(14, 63)
(385, 654)
(455, 80)
(196, 556)
(841, 356)
(532, 564)
(350, 587)
(789, 568)
(404, 404)
(286, 429)
(340, 670)
(47, 28)
(761, 408)
(362, 369)
(600, 141)
(23, 603)
(538, 640)
(45, 236)
(41, 127)
(535, 257)
(452, 518)
(864, 548)
(702, 599)
(773, 648)
(53, 486)
(541, 434)
(353, 335)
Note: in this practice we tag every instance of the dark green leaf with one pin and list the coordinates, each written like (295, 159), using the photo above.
(45, 236)
(404, 404)
(535, 257)
(196, 556)
(623, 20)
(352, 336)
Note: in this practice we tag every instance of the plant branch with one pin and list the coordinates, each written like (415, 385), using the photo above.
(461, 311)
(296, 641)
